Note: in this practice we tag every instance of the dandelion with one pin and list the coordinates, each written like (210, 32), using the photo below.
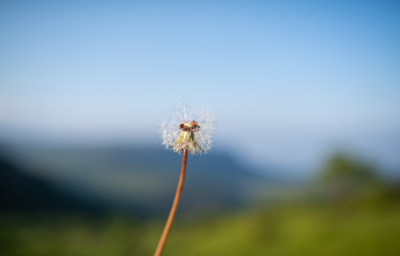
(192, 132)
(188, 134)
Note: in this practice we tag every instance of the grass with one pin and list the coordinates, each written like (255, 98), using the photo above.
(286, 231)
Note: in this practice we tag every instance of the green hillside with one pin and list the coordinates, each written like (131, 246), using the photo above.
(281, 231)
(349, 208)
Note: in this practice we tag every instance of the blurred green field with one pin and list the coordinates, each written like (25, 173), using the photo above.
(348, 209)
(294, 230)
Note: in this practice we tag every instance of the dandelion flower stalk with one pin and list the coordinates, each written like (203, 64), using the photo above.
(174, 207)
(187, 137)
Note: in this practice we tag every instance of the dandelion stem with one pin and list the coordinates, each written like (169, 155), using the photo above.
(174, 207)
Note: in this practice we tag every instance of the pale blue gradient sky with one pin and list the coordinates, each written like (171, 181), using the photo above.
(288, 82)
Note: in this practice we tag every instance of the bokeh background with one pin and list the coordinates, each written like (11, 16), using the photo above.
(306, 155)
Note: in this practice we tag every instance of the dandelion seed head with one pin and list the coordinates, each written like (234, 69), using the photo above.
(188, 131)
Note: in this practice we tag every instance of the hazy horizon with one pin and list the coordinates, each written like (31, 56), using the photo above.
(289, 83)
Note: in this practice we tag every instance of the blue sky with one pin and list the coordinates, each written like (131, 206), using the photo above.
(288, 81)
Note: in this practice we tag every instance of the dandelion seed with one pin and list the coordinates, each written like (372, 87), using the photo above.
(193, 134)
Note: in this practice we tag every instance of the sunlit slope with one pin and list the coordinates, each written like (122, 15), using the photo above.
(286, 231)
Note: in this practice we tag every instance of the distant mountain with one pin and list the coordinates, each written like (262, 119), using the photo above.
(21, 191)
(137, 179)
